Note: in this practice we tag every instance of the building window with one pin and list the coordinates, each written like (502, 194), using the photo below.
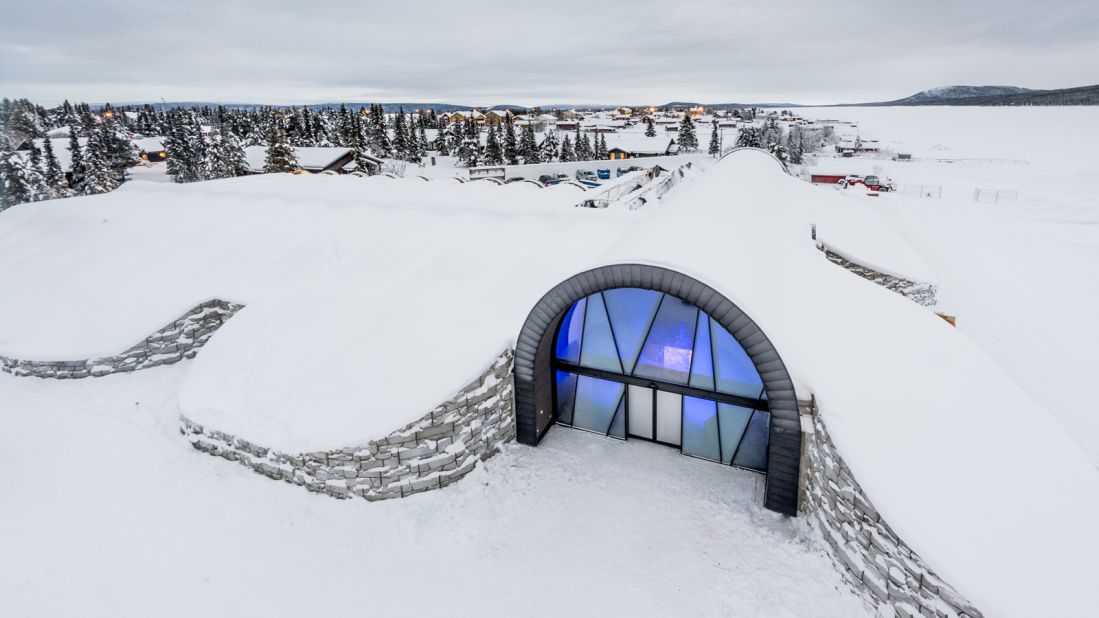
(635, 363)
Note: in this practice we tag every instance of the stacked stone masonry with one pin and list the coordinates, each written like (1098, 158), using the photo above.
(920, 293)
(179, 340)
(430, 453)
(873, 559)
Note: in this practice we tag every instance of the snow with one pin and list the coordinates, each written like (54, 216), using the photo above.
(309, 157)
(118, 516)
(371, 300)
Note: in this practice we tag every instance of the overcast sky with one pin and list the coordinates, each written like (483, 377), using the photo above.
(564, 51)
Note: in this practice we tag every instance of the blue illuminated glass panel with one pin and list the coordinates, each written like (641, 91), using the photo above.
(596, 402)
(631, 311)
(700, 437)
(572, 330)
(667, 351)
(734, 420)
(566, 395)
(736, 373)
(598, 350)
(753, 447)
(702, 362)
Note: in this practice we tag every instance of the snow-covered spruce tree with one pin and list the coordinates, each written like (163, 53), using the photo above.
(494, 155)
(402, 145)
(650, 130)
(422, 144)
(567, 153)
(35, 187)
(379, 132)
(748, 137)
(280, 155)
(601, 147)
(121, 152)
(583, 147)
(101, 178)
(528, 147)
(456, 134)
(715, 142)
(12, 188)
(441, 144)
(180, 154)
(549, 147)
(687, 138)
(55, 176)
(795, 147)
(78, 169)
(511, 145)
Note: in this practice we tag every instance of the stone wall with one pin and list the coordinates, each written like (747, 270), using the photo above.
(921, 293)
(430, 453)
(176, 341)
(872, 558)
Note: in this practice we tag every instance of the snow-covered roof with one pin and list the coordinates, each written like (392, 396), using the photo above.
(60, 147)
(370, 300)
(312, 158)
(639, 144)
(149, 144)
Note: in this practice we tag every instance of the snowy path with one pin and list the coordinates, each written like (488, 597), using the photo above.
(106, 511)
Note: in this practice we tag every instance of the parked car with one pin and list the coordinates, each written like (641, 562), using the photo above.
(632, 168)
(552, 179)
(585, 175)
(875, 183)
(514, 179)
(603, 174)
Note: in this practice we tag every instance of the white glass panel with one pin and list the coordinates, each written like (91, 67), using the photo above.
(641, 412)
(669, 417)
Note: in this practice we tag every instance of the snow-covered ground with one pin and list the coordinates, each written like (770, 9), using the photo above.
(106, 511)
(1020, 275)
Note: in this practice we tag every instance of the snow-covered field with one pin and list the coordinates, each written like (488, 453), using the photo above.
(107, 512)
(970, 469)
(1020, 275)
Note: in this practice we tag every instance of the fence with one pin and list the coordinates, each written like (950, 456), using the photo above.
(932, 191)
(995, 196)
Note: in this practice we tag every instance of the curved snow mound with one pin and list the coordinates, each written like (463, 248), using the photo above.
(752, 160)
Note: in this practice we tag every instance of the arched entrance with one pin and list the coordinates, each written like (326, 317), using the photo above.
(693, 371)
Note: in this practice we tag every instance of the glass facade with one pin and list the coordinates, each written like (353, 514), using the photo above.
(691, 385)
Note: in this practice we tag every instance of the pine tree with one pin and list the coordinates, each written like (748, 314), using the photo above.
(583, 147)
(12, 187)
(650, 131)
(600, 147)
(511, 147)
(35, 186)
(55, 176)
(795, 145)
(78, 169)
(687, 139)
(402, 146)
(494, 155)
(280, 155)
(549, 147)
(101, 177)
(715, 142)
(567, 153)
(528, 148)
(379, 132)
(748, 137)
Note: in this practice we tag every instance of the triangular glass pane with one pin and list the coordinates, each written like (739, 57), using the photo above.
(753, 447)
(735, 371)
(631, 311)
(666, 354)
(596, 402)
(734, 420)
(598, 350)
(618, 423)
(572, 329)
(566, 395)
(702, 362)
(700, 437)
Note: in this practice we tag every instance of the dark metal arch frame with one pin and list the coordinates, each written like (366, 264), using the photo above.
(766, 152)
(534, 413)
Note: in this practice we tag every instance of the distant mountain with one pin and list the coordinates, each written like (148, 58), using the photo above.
(1000, 95)
(945, 94)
